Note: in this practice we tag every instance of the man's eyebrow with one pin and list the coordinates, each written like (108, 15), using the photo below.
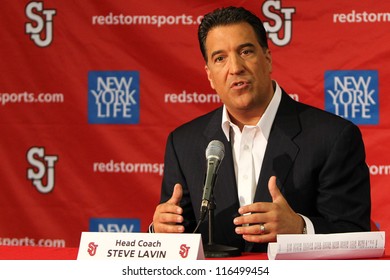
(245, 45)
(214, 53)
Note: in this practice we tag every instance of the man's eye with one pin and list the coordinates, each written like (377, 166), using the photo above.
(246, 52)
(219, 59)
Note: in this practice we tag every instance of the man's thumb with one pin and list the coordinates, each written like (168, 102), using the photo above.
(273, 189)
(176, 195)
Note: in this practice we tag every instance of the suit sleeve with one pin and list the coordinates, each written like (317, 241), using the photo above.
(344, 186)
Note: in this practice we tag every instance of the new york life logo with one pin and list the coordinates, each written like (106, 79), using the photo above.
(353, 95)
(114, 225)
(113, 97)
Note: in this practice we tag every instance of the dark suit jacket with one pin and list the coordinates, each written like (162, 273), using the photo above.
(318, 158)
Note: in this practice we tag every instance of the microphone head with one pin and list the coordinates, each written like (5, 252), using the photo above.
(215, 149)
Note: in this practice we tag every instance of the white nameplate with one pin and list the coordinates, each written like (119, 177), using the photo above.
(140, 246)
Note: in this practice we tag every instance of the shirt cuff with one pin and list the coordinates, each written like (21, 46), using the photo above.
(151, 228)
(309, 225)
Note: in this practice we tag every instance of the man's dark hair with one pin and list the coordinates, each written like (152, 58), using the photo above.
(228, 16)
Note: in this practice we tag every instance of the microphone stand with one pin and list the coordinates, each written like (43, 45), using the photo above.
(212, 250)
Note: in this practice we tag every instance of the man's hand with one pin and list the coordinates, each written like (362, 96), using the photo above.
(267, 219)
(167, 215)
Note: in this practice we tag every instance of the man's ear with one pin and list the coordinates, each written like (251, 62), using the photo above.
(209, 76)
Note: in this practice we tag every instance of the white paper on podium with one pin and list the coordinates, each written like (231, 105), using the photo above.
(354, 245)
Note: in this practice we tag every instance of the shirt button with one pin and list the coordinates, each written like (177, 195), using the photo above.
(246, 147)
(245, 177)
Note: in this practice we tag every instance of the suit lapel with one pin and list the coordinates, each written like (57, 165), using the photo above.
(225, 190)
(281, 151)
(279, 156)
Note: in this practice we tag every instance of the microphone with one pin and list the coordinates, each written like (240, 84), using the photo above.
(214, 154)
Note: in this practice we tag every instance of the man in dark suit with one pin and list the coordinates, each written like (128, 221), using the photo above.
(289, 168)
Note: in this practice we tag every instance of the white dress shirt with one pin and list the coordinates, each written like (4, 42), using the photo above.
(248, 147)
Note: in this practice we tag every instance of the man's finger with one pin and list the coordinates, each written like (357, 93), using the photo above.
(176, 195)
(274, 190)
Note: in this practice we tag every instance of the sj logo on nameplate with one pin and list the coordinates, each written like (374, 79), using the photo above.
(140, 246)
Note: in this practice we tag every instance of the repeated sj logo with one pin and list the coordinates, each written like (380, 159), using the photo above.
(279, 22)
(41, 166)
(184, 249)
(41, 20)
(92, 248)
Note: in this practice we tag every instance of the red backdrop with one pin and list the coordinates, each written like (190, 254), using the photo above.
(89, 91)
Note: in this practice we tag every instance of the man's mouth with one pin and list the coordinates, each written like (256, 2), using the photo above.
(239, 84)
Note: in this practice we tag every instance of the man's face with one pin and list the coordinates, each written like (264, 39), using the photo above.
(238, 68)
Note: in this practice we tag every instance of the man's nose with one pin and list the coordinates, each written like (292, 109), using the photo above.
(236, 65)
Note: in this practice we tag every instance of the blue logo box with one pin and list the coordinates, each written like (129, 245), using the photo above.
(114, 225)
(353, 95)
(113, 97)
